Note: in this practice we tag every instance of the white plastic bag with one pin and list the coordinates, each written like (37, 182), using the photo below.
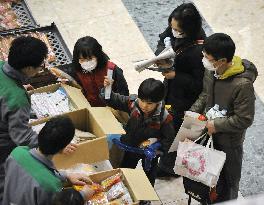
(199, 163)
(191, 128)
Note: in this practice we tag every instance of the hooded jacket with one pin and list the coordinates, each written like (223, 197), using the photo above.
(234, 92)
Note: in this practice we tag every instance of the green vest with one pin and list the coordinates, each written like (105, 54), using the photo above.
(15, 95)
(45, 177)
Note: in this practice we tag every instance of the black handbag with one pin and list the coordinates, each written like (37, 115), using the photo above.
(197, 191)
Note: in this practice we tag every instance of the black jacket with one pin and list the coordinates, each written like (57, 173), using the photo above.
(138, 129)
(184, 89)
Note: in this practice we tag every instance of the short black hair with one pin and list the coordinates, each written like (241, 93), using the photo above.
(189, 19)
(55, 135)
(27, 51)
(220, 45)
(87, 47)
(151, 90)
(67, 197)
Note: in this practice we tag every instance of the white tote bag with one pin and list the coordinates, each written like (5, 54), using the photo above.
(199, 163)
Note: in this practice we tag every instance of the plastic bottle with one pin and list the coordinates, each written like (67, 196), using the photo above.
(167, 42)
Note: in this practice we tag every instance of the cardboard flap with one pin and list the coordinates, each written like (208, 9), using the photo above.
(140, 184)
(106, 120)
(48, 88)
(88, 153)
(76, 96)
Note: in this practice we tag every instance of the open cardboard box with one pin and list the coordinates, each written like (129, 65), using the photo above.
(135, 180)
(77, 99)
(93, 150)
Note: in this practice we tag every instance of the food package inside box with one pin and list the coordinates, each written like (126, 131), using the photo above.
(47, 104)
(110, 191)
(79, 136)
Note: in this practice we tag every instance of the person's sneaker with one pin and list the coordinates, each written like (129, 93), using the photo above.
(163, 174)
(145, 203)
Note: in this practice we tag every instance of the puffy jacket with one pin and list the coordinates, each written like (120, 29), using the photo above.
(234, 92)
(14, 112)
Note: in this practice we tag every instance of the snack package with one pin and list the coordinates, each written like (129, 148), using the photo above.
(81, 136)
(94, 186)
(148, 142)
(116, 191)
(110, 181)
(126, 199)
(50, 104)
(81, 168)
(98, 199)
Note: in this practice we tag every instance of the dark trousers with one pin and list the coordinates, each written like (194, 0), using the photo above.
(130, 160)
(2, 181)
(167, 160)
(228, 184)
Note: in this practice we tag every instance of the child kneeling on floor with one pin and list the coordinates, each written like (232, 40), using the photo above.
(148, 119)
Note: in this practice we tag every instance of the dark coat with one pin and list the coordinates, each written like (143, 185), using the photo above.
(138, 129)
(184, 89)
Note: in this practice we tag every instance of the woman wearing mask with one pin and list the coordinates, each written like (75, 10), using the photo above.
(184, 81)
(90, 65)
(89, 68)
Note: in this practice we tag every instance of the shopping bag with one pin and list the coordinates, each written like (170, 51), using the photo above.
(197, 190)
(191, 128)
(199, 163)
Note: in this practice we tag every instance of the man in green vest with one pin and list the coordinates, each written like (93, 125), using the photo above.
(31, 177)
(26, 58)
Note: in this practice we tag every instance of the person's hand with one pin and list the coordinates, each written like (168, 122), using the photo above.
(70, 148)
(63, 80)
(107, 81)
(210, 127)
(78, 179)
(164, 63)
(88, 192)
(169, 75)
(28, 87)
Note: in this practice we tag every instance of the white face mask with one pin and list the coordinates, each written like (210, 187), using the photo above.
(88, 66)
(208, 65)
(176, 34)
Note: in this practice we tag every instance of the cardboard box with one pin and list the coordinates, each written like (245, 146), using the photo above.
(75, 95)
(93, 150)
(135, 180)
